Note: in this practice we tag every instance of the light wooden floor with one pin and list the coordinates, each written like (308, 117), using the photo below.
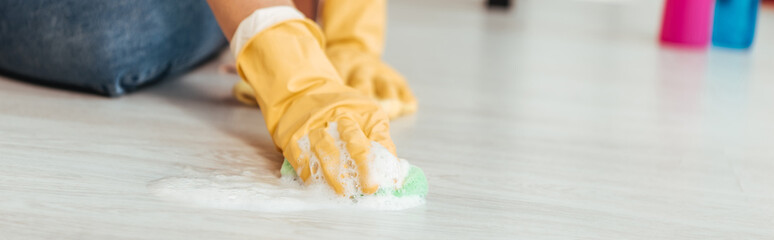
(562, 119)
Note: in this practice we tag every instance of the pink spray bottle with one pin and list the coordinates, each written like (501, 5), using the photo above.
(687, 22)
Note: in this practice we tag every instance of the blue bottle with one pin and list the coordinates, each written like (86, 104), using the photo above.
(734, 25)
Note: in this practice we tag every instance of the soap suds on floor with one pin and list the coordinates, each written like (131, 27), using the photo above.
(256, 189)
(255, 186)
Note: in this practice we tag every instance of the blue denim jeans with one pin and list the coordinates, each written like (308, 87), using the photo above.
(105, 46)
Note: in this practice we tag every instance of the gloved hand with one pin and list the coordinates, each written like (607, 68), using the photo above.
(244, 93)
(301, 96)
(354, 31)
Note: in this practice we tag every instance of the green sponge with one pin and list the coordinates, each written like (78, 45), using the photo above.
(415, 183)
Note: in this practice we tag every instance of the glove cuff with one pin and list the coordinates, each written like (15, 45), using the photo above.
(258, 21)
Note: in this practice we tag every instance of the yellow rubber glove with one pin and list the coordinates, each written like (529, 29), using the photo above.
(301, 95)
(244, 93)
(354, 31)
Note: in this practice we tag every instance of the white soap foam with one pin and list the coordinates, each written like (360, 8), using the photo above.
(255, 187)
(387, 170)
(255, 190)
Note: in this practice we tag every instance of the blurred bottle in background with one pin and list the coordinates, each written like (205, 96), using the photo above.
(734, 25)
(687, 22)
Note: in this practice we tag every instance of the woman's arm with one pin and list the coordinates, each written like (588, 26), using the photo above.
(229, 13)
